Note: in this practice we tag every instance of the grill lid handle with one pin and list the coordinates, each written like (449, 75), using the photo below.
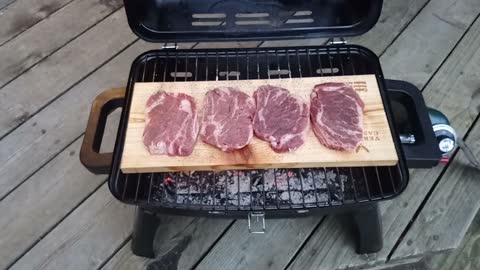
(103, 105)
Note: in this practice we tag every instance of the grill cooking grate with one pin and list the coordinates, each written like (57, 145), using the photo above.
(257, 189)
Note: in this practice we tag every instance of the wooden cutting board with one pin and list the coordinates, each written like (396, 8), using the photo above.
(377, 149)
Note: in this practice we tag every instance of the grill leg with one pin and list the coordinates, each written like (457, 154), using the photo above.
(146, 224)
(369, 229)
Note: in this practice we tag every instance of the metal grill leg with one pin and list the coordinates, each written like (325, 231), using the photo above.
(146, 224)
(368, 225)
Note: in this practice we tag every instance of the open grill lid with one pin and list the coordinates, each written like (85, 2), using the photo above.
(233, 20)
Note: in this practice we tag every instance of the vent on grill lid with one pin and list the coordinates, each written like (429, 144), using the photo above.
(201, 20)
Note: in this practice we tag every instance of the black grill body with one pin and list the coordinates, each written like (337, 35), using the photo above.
(274, 193)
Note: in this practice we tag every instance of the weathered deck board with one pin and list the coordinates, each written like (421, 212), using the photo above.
(49, 131)
(38, 86)
(464, 257)
(35, 207)
(450, 210)
(46, 198)
(397, 213)
(179, 243)
(429, 38)
(126, 260)
(90, 87)
(395, 17)
(69, 67)
(5, 3)
(464, 83)
(31, 46)
(240, 250)
(85, 238)
(23, 14)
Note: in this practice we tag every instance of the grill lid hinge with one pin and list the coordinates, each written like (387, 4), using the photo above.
(333, 41)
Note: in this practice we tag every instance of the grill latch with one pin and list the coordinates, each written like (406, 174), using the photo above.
(256, 222)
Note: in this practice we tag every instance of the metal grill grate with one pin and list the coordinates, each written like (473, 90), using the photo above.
(257, 189)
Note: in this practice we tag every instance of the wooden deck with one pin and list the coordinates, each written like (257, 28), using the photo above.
(57, 55)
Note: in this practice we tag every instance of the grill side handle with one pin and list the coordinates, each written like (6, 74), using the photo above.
(103, 105)
(423, 152)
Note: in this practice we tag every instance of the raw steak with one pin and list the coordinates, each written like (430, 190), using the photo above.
(336, 111)
(171, 124)
(281, 118)
(227, 119)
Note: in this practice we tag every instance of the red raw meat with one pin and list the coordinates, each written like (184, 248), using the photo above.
(336, 111)
(227, 119)
(281, 118)
(171, 124)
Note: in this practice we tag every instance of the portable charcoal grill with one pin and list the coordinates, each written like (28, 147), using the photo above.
(259, 194)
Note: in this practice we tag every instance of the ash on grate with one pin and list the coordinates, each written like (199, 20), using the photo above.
(157, 189)
(256, 179)
(238, 189)
(221, 182)
(256, 188)
(199, 191)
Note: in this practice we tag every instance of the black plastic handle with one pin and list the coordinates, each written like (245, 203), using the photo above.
(424, 153)
(103, 105)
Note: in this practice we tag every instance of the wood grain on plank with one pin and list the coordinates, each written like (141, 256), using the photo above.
(446, 217)
(85, 238)
(273, 250)
(381, 151)
(23, 14)
(179, 243)
(451, 91)
(27, 94)
(39, 41)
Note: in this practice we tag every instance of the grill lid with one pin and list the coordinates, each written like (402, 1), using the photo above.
(231, 20)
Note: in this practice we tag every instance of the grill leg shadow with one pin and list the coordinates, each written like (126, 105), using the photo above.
(146, 224)
(367, 229)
